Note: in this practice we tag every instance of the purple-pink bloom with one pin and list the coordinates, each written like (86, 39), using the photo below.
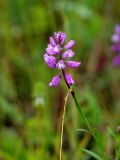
(116, 46)
(73, 64)
(70, 44)
(60, 37)
(115, 38)
(52, 50)
(116, 61)
(50, 60)
(117, 29)
(60, 64)
(69, 79)
(57, 56)
(55, 81)
(52, 41)
(68, 54)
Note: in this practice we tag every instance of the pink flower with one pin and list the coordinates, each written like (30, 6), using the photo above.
(69, 79)
(116, 46)
(116, 61)
(60, 37)
(68, 54)
(57, 56)
(73, 64)
(55, 81)
(70, 44)
(60, 64)
(50, 60)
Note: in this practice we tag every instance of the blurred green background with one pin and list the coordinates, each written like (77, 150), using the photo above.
(30, 111)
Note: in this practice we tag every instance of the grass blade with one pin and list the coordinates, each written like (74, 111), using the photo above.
(93, 154)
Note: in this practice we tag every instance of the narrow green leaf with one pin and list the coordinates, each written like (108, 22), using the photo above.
(93, 154)
(111, 132)
(82, 130)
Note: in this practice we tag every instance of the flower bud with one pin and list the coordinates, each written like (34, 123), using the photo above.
(68, 54)
(70, 44)
(50, 60)
(73, 64)
(55, 81)
(60, 37)
(69, 79)
(52, 41)
(60, 64)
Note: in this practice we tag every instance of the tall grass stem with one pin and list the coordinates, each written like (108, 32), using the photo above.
(63, 120)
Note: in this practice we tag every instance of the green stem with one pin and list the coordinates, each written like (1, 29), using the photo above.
(79, 109)
(83, 115)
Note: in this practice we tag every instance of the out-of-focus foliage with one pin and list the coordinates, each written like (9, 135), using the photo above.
(30, 111)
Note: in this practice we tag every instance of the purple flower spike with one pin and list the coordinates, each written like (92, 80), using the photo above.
(55, 81)
(60, 64)
(73, 64)
(60, 37)
(52, 41)
(116, 40)
(57, 56)
(70, 44)
(68, 54)
(50, 60)
(69, 79)
(116, 46)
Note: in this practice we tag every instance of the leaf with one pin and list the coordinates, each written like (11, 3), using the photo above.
(111, 132)
(82, 130)
(93, 154)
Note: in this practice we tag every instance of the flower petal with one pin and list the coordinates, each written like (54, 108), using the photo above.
(115, 38)
(116, 48)
(69, 79)
(116, 61)
(52, 50)
(52, 41)
(60, 64)
(68, 54)
(55, 81)
(57, 49)
(50, 60)
(117, 29)
(60, 37)
(73, 64)
(70, 44)
(63, 38)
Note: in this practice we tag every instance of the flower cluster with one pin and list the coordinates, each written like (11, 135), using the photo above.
(57, 56)
(116, 46)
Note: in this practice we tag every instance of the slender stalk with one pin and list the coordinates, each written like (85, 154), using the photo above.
(63, 120)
